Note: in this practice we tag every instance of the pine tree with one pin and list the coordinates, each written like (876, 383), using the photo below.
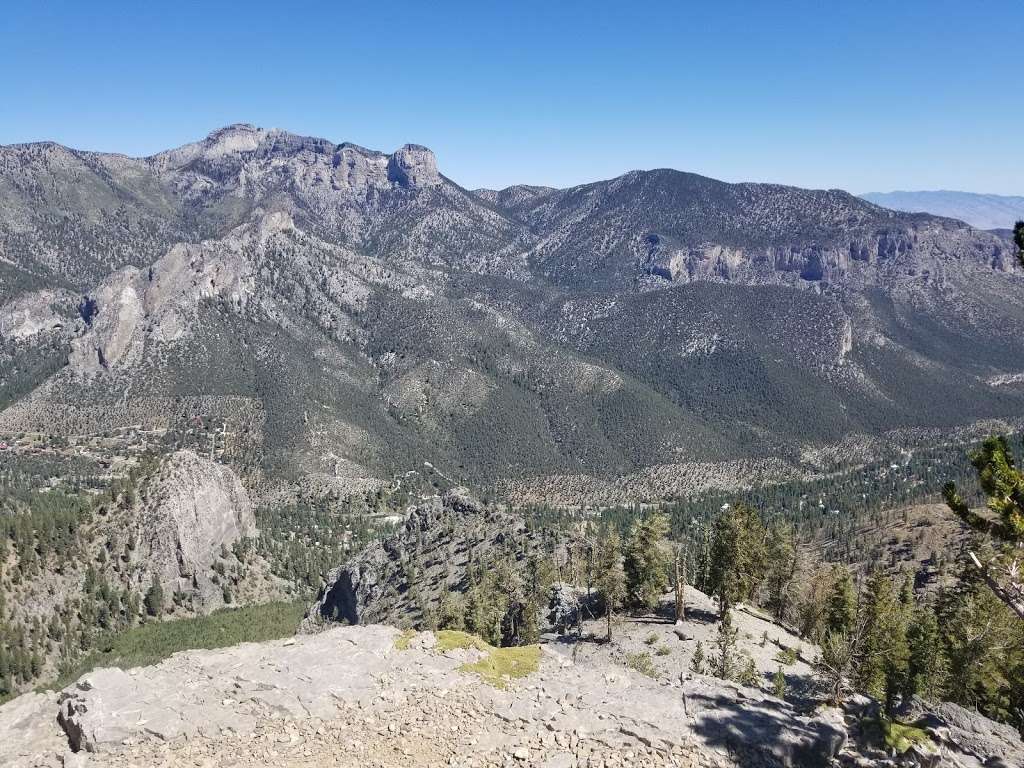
(781, 570)
(779, 684)
(834, 665)
(698, 660)
(883, 653)
(983, 642)
(725, 662)
(154, 600)
(647, 560)
(737, 555)
(841, 604)
(926, 673)
(610, 578)
(1003, 483)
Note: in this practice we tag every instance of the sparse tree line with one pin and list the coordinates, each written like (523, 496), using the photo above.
(962, 643)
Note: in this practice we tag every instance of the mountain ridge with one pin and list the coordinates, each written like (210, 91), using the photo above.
(348, 313)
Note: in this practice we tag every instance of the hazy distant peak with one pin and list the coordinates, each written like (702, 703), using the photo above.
(982, 211)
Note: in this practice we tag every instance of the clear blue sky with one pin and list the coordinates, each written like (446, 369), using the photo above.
(863, 95)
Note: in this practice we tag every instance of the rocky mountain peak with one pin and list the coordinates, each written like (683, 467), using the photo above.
(414, 166)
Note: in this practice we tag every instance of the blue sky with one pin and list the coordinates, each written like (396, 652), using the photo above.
(905, 94)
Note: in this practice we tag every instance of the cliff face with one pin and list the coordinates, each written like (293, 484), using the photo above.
(177, 523)
(192, 511)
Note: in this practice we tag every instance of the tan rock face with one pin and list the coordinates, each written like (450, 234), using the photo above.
(158, 302)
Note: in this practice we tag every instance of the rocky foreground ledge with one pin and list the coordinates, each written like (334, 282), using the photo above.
(370, 696)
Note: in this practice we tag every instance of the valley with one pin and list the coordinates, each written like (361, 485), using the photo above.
(266, 383)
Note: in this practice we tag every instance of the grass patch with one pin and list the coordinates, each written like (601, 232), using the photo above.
(651, 639)
(451, 639)
(642, 663)
(403, 640)
(502, 664)
(499, 665)
(154, 642)
(901, 736)
(892, 734)
(663, 650)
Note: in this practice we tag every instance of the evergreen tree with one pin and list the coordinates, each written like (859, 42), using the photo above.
(1003, 483)
(883, 654)
(698, 660)
(610, 578)
(737, 555)
(485, 604)
(647, 560)
(779, 684)
(926, 673)
(725, 662)
(154, 600)
(781, 567)
(841, 605)
(834, 665)
(984, 647)
(451, 613)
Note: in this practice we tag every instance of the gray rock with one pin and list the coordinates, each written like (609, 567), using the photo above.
(967, 735)
(190, 510)
(414, 166)
(29, 734)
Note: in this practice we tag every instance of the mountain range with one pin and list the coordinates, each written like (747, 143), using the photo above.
(339, 315)
(978, 210)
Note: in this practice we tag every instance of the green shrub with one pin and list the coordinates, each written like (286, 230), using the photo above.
(642, 662)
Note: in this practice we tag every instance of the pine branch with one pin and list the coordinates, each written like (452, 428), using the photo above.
(1011, 594)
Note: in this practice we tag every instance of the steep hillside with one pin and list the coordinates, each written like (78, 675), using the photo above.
(76, 565)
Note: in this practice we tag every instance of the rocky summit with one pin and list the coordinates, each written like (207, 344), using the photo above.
(374, 696)
(363, 696)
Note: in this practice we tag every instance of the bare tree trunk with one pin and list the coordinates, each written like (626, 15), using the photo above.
(680, 569)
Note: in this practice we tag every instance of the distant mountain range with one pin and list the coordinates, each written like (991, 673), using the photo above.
(978, 210)
(341, 315)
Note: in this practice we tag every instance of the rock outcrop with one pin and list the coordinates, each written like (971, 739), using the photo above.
(414, 166)
(191, 511)
(31, 314)
(973, 737)
(373, 696)
(435, 545)
(352, 691)
(160, 302)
